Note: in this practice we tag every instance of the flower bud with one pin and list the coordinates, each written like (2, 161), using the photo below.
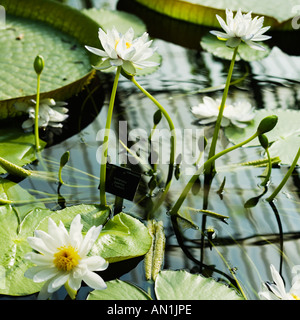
(39, 64)
(157, 117)
(263, 141)
(267, 124)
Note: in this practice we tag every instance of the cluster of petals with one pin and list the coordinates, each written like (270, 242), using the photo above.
(277, 291)
(123, 50)
(238, 114)
(51, 113)
(49, 245)
(242, 27)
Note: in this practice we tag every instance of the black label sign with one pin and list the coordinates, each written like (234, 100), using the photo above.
(122, 182)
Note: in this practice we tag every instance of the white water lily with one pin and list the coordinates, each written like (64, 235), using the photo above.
(242, 28)
(277, 291)
(124, 50)
(51, 113)
(62, 258)
(239, 114)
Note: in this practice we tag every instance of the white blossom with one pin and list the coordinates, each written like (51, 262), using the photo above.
(239, 114)
(124, 50)
(62, 258)
(277, 291)
(242, 28)
(51, 113)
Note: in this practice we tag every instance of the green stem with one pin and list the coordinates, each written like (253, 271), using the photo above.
(173, 142)
(189, 185)
(106, 138)
(284, 180)
(220, 115)
(267, 178)
(36, 119)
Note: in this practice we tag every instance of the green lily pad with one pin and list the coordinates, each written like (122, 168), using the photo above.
(285, 137)
(169, 285)
(55, 31)
(218, 48)
(17, 147)
(182, 285)
(119, 290)
(277, 14)
(123, 237)
(119, 19)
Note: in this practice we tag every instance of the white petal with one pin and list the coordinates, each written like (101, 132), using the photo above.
(95, 263)
(39, 245)
(39, 259)
(60, 279)
(97, 51)
(45, 275)
(220, 35)
(94, 281)
(75, 232)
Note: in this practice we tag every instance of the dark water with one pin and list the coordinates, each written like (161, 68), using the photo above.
(253, 238)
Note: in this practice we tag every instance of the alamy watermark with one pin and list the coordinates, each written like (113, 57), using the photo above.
(2, 18)
(135, 147)
(296, 19)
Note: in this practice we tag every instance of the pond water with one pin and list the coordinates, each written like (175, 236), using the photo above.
(252, 238)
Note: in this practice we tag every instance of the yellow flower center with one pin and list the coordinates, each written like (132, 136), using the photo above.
(66, 258)
(295, 297)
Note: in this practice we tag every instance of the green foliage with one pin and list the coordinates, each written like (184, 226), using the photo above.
(53, 31)
(16, 146)
(123, 237)
(219, 49)
(169, 285)
(203, 11)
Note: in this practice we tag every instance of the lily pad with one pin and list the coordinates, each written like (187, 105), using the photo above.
(123, 237)
(16, 146)
(277, 14)
(119, 290)
(55, 31)
(219, 49)
(285, 137)
(182, 285)
(119, 19)
(169, 285)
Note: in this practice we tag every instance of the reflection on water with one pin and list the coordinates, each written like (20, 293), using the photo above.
(252, 238)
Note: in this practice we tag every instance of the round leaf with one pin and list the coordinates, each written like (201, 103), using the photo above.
(123, 237)
(119, 290)
(277, 14)
(55, 31)
(16, 146)
(219, 49)
(181, 285)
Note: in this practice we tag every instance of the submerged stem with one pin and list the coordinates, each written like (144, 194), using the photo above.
(173, 142)
(189, 185)
(220, 115)
(106, 138)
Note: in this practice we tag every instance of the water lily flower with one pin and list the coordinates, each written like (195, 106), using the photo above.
(242, 28)
(63, 259)
(51, 113)
(124, 50)
(277, 291)
(238, 114)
